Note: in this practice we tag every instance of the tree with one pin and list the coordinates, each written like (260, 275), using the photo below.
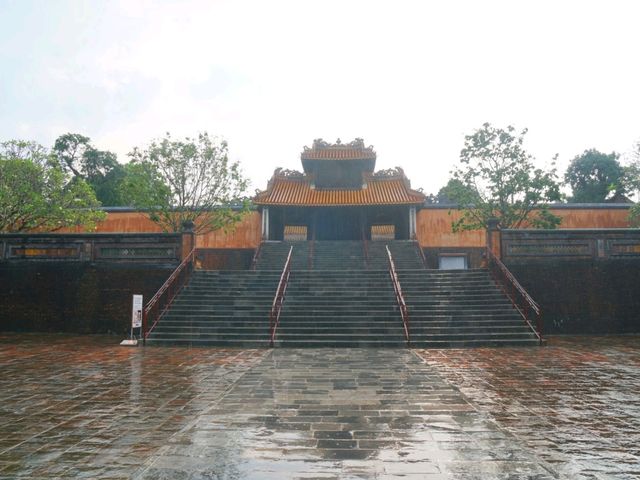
(35, 196)
(594, 176)
(142, 186)
(632, 176)
(78, 158)
(500, 181)
(203, 185)
(455, 193)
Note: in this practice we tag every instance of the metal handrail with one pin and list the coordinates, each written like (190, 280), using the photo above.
(254, 260)
(520, 298)
(278, 300)
(421, 253)
(160, 302)
(404, 312)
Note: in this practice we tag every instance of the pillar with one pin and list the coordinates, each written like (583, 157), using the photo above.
(265, 223)
(412, 223)
(493, 236)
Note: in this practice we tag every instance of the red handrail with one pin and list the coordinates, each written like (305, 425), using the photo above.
(160, 302)
(256, 254)
(278, 300)
(421, 253)
(520, 298)
(404, 312)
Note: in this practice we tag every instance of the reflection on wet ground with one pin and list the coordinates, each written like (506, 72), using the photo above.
(83, 407)
(576, 402)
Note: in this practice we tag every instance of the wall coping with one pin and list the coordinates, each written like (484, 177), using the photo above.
(553, 206)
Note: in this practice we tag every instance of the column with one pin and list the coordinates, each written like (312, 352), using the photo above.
(412, 223)
(265, 223)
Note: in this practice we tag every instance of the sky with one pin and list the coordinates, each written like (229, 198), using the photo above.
(411, 78)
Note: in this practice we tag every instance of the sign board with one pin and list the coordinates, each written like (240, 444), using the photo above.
(136, 314)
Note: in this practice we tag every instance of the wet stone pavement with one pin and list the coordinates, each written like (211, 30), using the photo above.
(576, 402)
(83, 407)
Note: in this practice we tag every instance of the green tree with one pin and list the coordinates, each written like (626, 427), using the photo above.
(632, 176)
(35, 196)
(78, 158)
(500, 181)
(142, 186)
(594, 176)
(456, 193)
(203, 184)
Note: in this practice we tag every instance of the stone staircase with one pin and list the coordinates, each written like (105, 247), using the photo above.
(460, 308)
(405, 255)
(342, 302)
(272, 255)
(226, 308)
(338, 308)
(339, 255)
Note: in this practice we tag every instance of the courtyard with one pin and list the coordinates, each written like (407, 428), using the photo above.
(84, 407)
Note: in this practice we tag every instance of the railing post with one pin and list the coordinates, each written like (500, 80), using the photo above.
(188, 238)
(518, 296)
(278, 300)
(404, 312)
(493, 236)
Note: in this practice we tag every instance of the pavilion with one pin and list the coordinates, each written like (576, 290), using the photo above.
(339, 196)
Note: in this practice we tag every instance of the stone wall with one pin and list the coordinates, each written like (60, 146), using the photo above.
(42, 296)
(586, 281)
(80, 283)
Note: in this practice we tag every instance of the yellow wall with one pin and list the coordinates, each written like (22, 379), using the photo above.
(246, 233)
(434, 230)
(433, 227)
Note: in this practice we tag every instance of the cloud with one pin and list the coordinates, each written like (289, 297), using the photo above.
(411, 77)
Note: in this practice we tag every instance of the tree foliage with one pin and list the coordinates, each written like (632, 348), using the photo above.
(202, 184)
(454, 193)
(34, 194)
(497, 178)
(632, 176)
(595, 176)
(79, 159)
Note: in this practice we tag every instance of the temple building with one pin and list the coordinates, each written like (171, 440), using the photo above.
(339, 196)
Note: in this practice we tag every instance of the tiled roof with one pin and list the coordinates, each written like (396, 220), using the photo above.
(286, 191)
(322, 150)
(342, 153)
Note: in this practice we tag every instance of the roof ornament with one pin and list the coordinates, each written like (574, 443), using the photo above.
(396, 172)
(287, 173)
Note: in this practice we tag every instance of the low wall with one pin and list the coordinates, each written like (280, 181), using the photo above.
(586, 281)
(224, 258)
(80, 283)
(42, 296)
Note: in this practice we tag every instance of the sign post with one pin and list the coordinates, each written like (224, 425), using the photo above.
(136, 320)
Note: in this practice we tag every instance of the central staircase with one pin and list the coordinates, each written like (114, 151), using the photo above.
(340, 308)
(340, 294)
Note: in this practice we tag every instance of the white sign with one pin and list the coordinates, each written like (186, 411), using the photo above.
(136, 314)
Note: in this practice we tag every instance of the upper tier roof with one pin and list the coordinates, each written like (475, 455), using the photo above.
(297, 189)
(322, 150)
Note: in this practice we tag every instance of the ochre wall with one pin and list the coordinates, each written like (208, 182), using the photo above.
(434, 230)
(593, 217)
(434, 225)
(246, 233)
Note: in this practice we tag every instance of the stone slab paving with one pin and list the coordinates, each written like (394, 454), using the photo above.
(83, 407)
(575, 402)
(343, 414)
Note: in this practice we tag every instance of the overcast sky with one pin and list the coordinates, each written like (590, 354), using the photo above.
(410, 77)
